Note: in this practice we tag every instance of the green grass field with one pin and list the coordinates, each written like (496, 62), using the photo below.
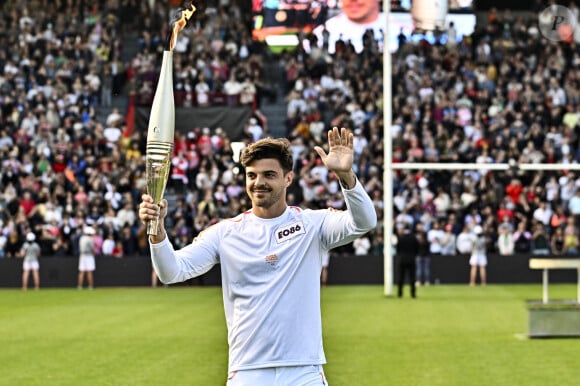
(450, 335)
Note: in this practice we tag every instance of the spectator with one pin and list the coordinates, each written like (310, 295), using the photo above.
(574, 207)
(448, 243)
(505, 211)
(407, 252)
(108, 245)
(126, 216)
(514, 190)
(404, 219)
(478, 259)
(542, 213)
(465, 240)
(129, 243)
(179, 179)
(505, 240)
(202, 90)
(360, 143)
(567, 190)
(362, 245)
(435, 237)
(232, 88)
(118, 250)
(27, 203)
(558, 242)
(423, 260)
(558, 218)
(540, 240)
(255, 129)
(248, 92)
(442, 203)
(114, 118)
(86, 258)
(61, 247)
(112, 135)
(570, 239)
(30, 252)
(522, 238)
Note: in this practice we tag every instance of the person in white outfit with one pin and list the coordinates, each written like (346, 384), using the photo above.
(271, 258)
(478, 259)
(30, 252)
(86, 257)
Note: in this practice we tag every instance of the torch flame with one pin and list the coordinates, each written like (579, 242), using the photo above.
(180, 23)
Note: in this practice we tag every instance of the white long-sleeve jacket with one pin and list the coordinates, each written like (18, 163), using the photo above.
(270, 277)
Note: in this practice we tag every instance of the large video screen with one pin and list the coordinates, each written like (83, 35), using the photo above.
(288, 23)
(283, 22)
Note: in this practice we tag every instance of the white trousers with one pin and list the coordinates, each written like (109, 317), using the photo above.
(311, 375)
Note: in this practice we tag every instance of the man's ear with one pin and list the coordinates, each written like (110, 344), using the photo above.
(289, 178)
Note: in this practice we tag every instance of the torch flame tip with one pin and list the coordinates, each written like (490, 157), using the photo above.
(180, 24)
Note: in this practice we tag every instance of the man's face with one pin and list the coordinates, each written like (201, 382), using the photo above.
(361, 11)
(266, 183)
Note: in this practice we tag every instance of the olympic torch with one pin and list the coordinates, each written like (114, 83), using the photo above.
(161, 129)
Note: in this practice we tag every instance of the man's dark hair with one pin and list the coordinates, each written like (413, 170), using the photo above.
(274, 148)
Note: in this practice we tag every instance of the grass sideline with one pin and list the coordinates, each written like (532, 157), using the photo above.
(450, 335)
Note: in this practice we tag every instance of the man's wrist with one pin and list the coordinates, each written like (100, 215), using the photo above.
(159, 237)
(347, 180)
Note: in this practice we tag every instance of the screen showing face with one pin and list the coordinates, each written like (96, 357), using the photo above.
(287, 22)
(326, 23)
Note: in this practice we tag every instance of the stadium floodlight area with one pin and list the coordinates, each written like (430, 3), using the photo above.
(388, 228)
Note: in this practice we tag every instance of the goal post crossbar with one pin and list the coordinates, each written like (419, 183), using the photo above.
(480, 166)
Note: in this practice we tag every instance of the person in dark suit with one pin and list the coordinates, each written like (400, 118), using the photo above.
(407, 250)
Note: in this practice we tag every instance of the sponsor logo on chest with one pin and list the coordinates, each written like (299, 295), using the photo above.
(287, 232)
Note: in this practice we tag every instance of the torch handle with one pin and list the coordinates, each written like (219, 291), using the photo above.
(158, 165)
(153, 227)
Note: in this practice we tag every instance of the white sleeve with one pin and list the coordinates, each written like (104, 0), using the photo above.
(191, 261)
(342, 227)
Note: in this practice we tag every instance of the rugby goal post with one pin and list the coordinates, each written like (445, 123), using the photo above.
(426, 12)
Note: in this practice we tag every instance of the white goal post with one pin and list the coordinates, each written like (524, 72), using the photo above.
(389, 166)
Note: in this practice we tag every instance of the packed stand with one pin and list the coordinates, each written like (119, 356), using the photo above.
(502, 95)
(59, 66)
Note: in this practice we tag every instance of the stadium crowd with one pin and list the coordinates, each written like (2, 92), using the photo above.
(502, 95)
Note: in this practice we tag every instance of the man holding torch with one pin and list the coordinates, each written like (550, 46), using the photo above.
(271, 259)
